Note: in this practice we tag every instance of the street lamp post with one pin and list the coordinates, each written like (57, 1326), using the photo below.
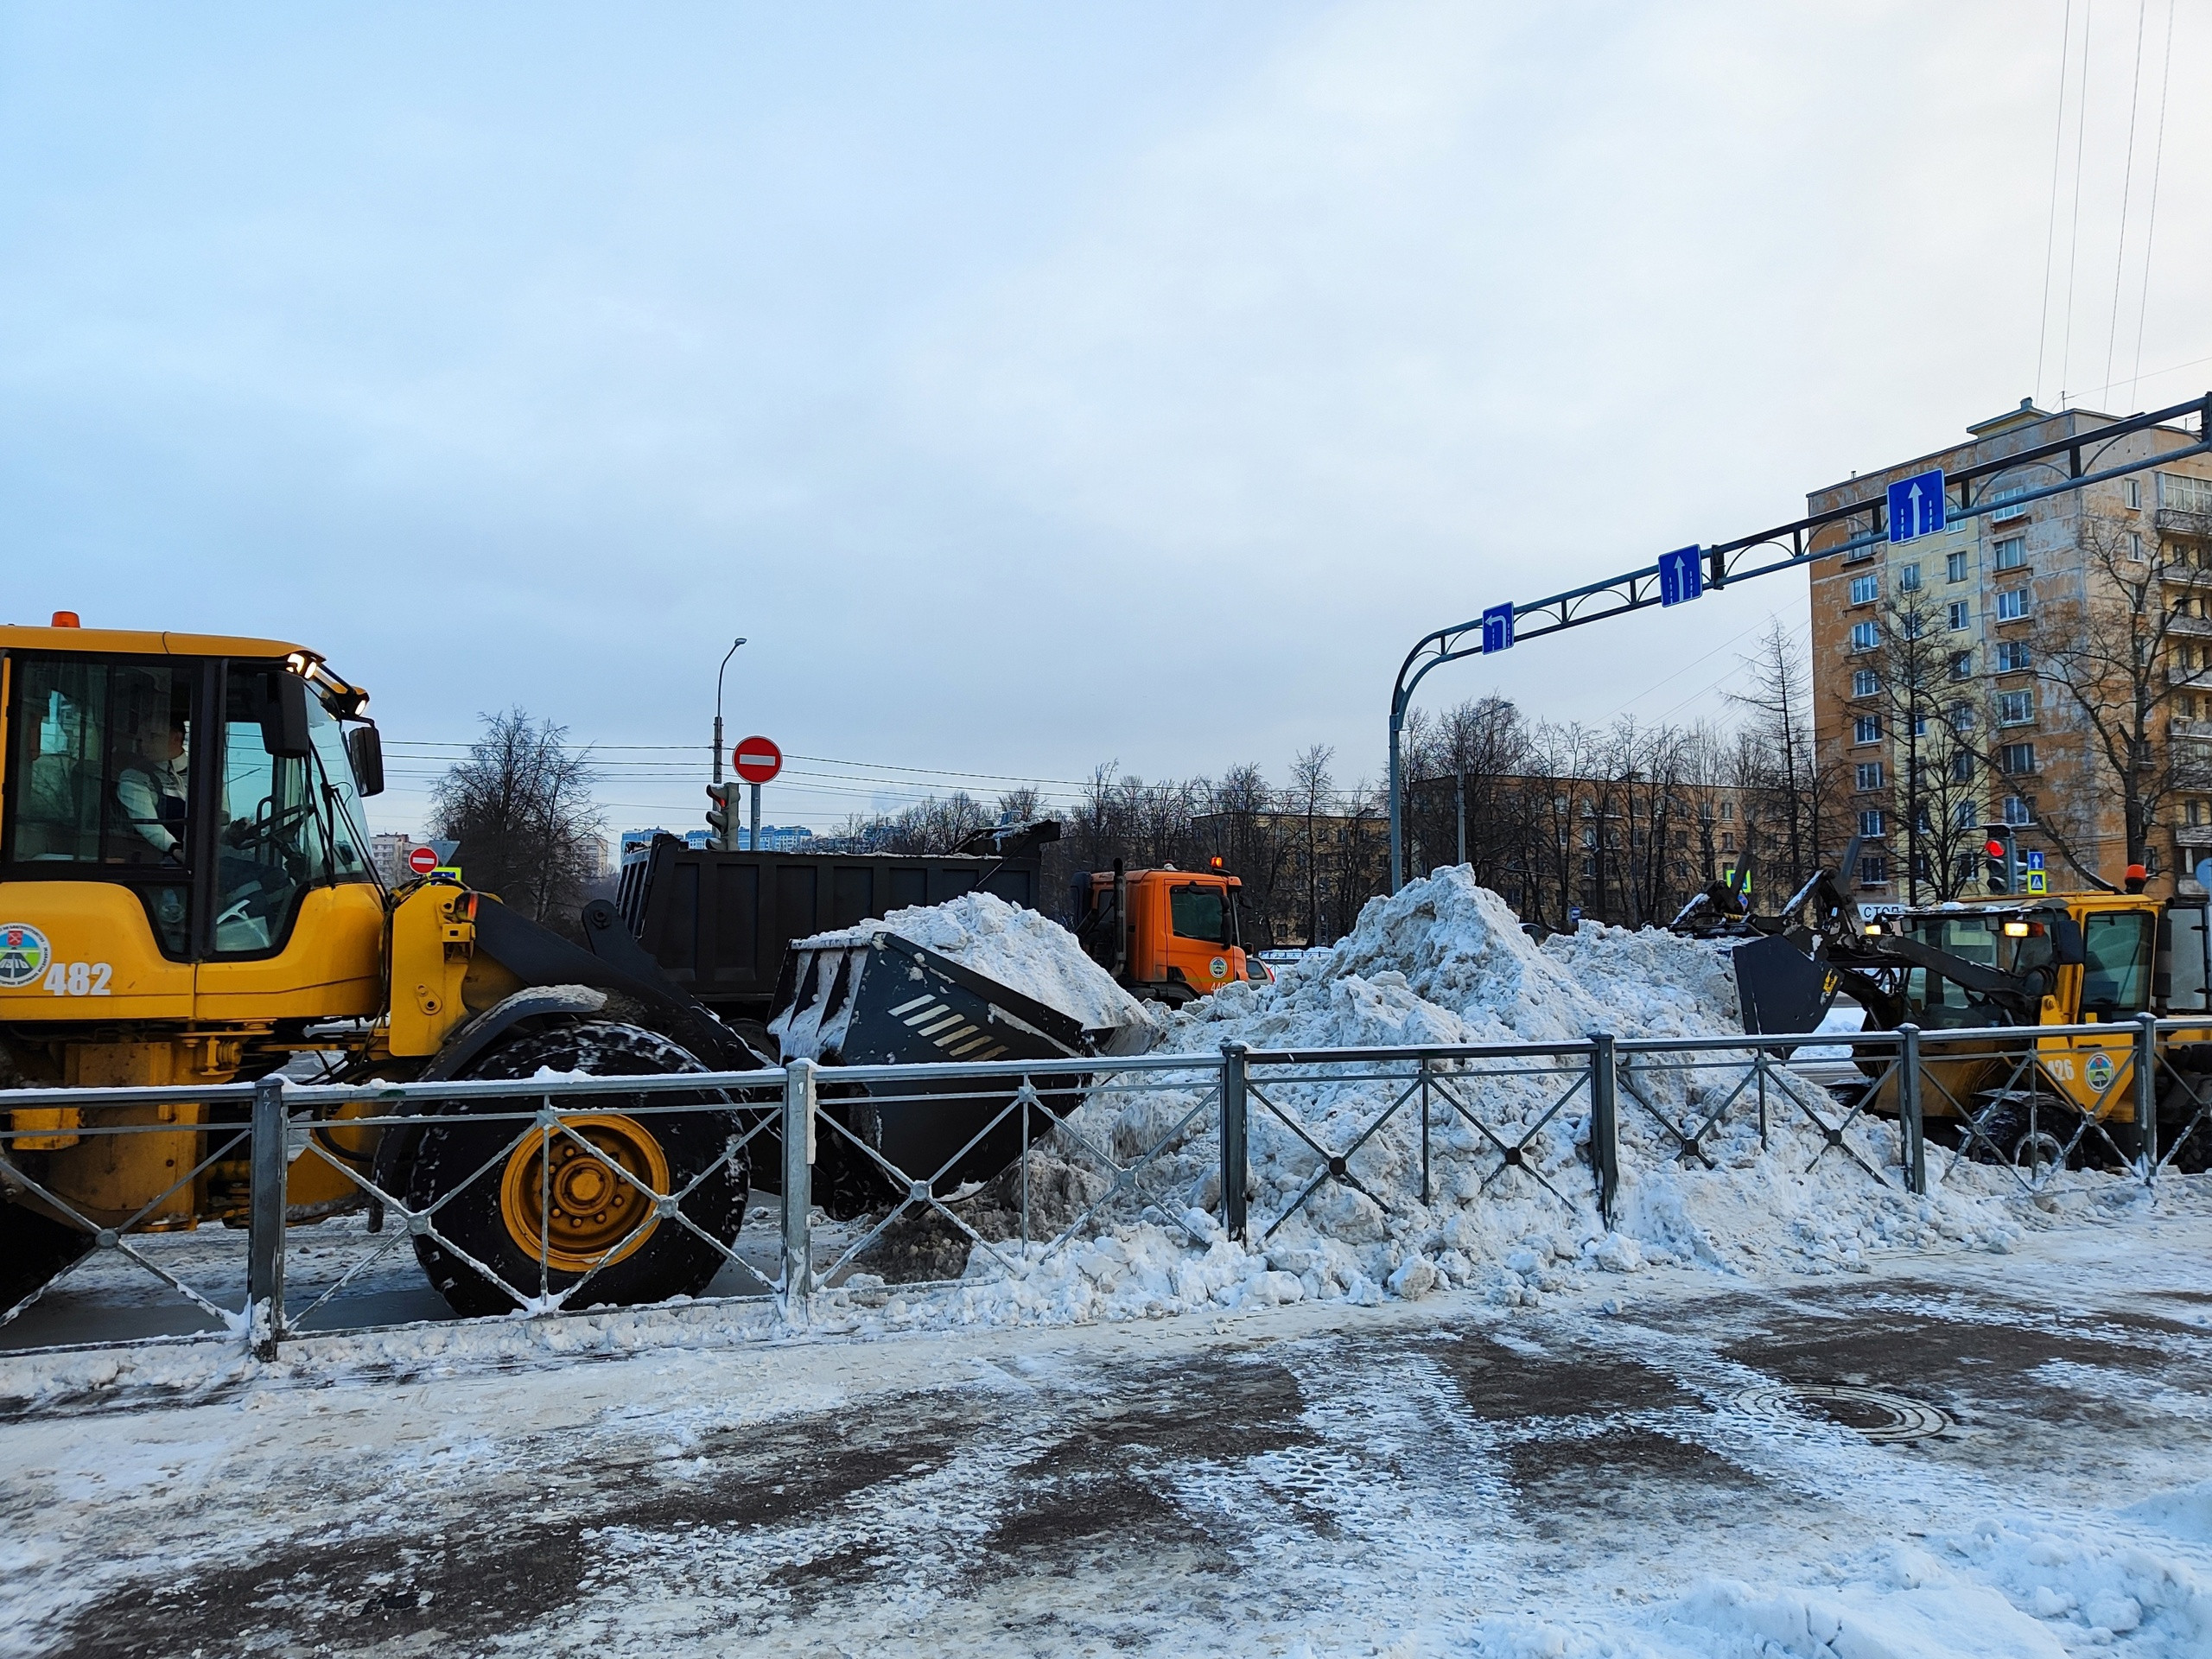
(719, 672)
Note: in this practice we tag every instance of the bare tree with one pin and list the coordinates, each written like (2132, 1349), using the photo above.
(1310, 783)
(521, 807)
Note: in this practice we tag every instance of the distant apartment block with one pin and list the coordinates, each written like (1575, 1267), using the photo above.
(1982, 600)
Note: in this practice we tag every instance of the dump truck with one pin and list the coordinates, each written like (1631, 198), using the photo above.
(1993, 960)
(186, 898)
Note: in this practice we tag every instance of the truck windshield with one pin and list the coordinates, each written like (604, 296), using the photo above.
(1200, 912)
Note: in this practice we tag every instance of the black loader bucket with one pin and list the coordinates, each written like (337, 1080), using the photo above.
(1781, 988)
(885, 1001)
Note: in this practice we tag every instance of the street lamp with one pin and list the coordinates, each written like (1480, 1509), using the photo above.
(727, 655)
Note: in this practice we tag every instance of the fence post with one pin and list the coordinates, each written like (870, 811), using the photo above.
(2146, 1094)
(1233, 1139)
(1604, 1123)
(1909, 1110)
(264, 1243)
(798, 1188)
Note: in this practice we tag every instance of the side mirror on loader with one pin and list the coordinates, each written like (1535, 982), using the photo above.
(285, 716)
(2066, 947)
(364, 749)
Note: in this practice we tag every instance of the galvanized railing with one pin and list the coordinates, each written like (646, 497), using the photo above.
(1175, 1138)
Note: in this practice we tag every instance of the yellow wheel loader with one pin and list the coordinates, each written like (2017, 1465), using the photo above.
(1998, 960)
(187, 896)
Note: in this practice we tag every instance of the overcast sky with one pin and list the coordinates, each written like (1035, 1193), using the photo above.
(1032, 385)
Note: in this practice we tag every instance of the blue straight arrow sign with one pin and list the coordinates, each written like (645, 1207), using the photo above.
(1681, 575)
(1497, 629)
(1917, 506)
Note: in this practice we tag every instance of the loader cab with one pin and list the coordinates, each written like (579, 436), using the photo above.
(169, 801)
(2091, 957)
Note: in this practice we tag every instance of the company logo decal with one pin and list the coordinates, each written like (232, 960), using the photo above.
(2098, 1073)
(24, 954)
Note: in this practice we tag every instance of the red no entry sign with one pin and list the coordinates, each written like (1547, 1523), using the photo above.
(422, 860)
(758, 759)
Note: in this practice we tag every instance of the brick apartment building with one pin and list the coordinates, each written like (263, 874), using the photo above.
(1984, 601)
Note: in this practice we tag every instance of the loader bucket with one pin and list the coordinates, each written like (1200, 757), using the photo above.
(886, 1001)
(1781, 988)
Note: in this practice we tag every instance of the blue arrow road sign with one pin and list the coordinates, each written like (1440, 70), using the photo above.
(2034, 860)
(1497, 629)
(1917, 506)
(1681, 575)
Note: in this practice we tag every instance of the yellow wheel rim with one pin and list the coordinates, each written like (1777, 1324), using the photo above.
(597, 1217)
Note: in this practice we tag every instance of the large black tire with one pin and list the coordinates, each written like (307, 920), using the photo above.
(458, 1149)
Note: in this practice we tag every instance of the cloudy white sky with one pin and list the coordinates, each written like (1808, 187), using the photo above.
(1033, 387)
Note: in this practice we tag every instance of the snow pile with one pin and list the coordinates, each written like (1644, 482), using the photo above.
(1019, 948)
(1445, 961)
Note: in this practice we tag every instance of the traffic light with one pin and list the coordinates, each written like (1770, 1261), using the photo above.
(1998, 851)
(722, 816)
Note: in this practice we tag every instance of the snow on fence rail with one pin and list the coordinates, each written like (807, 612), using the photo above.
(1259, 1149)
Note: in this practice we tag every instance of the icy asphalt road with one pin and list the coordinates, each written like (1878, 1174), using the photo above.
(1437, 1477)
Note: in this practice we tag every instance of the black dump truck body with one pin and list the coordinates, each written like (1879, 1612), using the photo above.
(718, 923)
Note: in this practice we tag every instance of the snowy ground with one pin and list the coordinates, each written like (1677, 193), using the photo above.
(1595, 1473)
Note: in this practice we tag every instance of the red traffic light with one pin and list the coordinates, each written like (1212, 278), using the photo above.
(1994, 848)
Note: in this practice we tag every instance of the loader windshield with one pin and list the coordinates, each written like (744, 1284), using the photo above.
(1977, 937)
(287, 822)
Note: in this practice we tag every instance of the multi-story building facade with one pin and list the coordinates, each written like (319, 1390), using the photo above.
(1939, 706)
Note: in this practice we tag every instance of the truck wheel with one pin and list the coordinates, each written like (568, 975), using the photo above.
(603, 1223)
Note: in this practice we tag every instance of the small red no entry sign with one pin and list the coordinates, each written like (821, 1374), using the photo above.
(757, 760)
(422, 860)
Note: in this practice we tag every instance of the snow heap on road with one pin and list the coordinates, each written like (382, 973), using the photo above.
(1018, 948)
(1445, 962)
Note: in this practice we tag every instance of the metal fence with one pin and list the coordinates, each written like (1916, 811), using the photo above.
(538, 1196)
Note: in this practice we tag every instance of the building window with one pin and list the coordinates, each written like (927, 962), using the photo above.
(1965, 815)
(1864, 683)
(1869, 774)
(2135, 545)
(1864, 636)
(2130, 492)
(1954, 568)
(1919, 722)
(1728, 843)
(2181, 493)
(2195, 809)
(1870, 822)
(1908, 579)
(1959, 717)
(2016, 757)
(1960, 616)
(1867, 728)
(2010, 554)
(1909, 623)
(2012, 656)
(2015, 708)
(2013, 606)
(1963, 664)
(1727, 811)
(1961, 766)
(2019, 811)
(1865, 589)
(1873, 870)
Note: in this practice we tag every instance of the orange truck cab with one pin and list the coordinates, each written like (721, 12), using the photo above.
(1168, 935)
